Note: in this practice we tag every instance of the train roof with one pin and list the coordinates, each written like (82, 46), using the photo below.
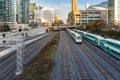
(81, 31)
(97, 36)
(74, 32)
(113, 41)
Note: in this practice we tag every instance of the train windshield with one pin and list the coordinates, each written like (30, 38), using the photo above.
(78, 37)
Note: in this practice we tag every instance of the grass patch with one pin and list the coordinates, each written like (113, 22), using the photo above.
(40, 68)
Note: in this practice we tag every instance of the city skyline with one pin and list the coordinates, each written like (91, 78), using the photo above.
(65, 6)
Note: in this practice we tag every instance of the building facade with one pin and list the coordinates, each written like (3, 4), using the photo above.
(56, 19)
(48, 13)
(86, 16)
(110, 11)
(7, 15)
(75, 15)
(45, 15)
(32, 8)
(93, 15)
(114, 11)
(7, 10)
(13, 12)
(22, 11)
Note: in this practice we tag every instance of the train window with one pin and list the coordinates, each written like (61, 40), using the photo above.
(117, 45)
(78, 37)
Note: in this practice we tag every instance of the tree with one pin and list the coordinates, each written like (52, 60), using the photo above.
(6, 28)
(36, 24)
(31, 23)
(60, 22)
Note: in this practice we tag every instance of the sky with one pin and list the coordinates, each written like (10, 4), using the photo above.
(63, 7)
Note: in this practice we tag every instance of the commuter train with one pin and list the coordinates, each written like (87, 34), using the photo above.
(82, 33)
(76, 37)
(109, 45)
(112, 46)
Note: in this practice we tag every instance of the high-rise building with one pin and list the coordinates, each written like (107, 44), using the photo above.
(2, 10)
(7, 15)
(75, 13)
(56, 19)
(7, 10)
(32, 8)
(22, 11)
(110, 11)
(114, 11)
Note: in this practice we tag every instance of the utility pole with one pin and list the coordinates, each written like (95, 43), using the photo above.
(20, 53)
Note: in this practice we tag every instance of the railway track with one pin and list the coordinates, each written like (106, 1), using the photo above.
(110, 58)
(100, 67)
(84, 74)
(64, 69)
(8, 62)
(88, 61)
(98, 55)
(68, 68)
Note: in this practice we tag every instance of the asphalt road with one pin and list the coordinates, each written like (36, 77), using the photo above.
(8, 62)
(83, 62)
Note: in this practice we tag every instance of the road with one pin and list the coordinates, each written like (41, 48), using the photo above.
(8, 62)
(83, 62)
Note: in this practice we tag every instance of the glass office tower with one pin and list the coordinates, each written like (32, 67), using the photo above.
(114, 11)
(22, 11)
(7, 10)
(110, 11)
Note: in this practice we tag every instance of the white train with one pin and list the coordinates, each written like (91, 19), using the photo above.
(76, 37)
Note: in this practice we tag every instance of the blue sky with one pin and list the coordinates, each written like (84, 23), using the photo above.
(63, 7)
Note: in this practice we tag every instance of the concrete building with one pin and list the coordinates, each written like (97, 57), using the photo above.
(114, 11)
(45, 15)
(7, 15)
(99, 12)
(93, 13)
(87, 16)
